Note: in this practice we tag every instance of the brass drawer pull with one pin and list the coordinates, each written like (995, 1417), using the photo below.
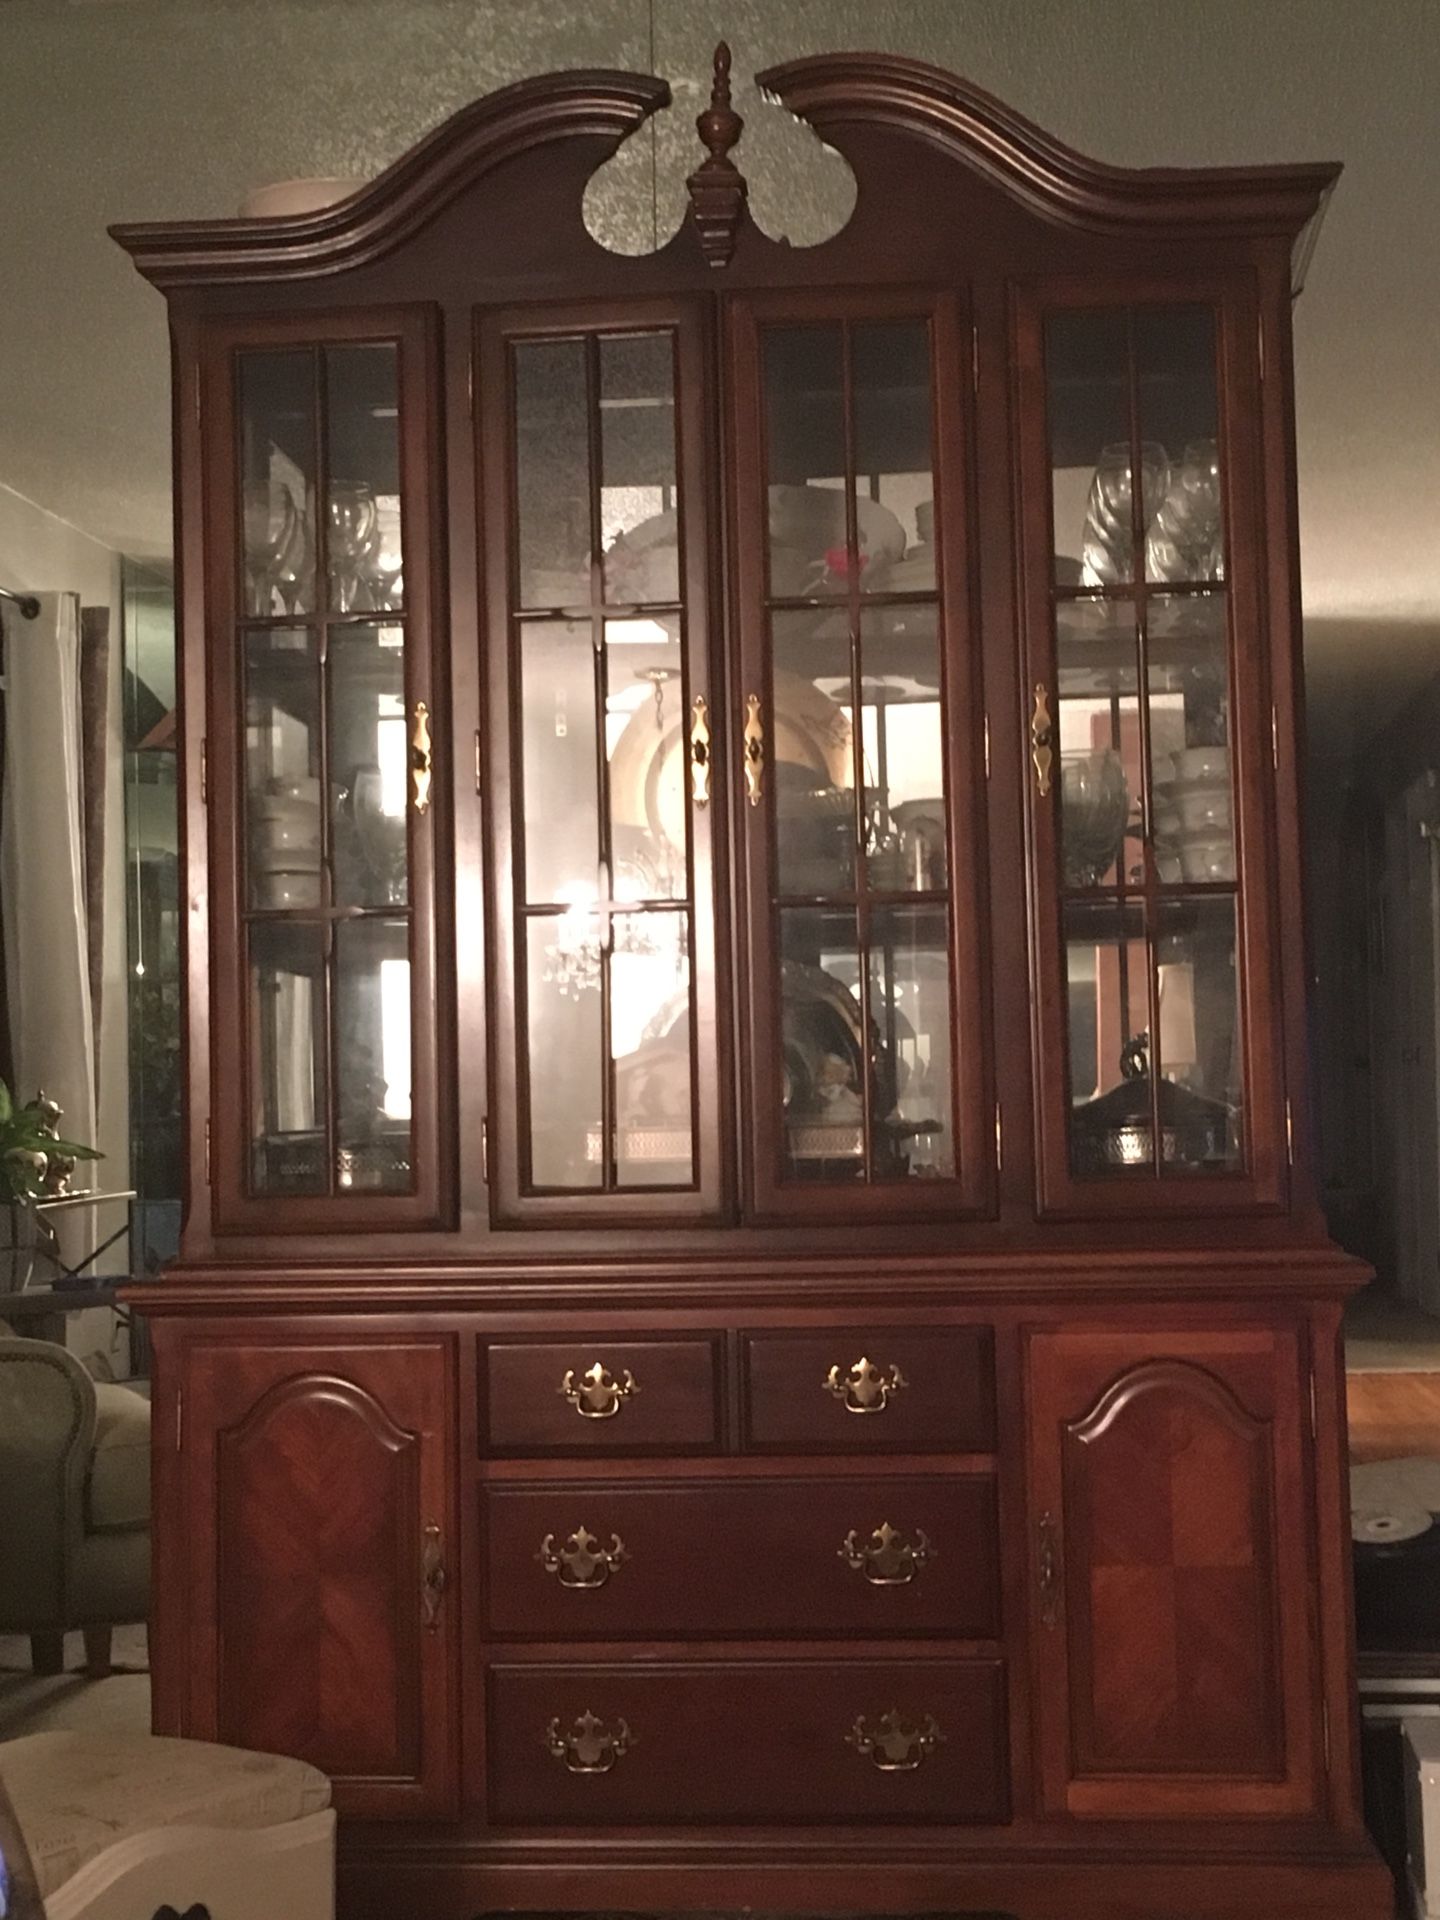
(578, 1563)
(1041, 734)
(596, 1394)
(866, 1388)
(887, 1559)
(754, 750)
(700, 751)
(433, 1578)
(589, 1746)
(422, 756)
(898, 1745)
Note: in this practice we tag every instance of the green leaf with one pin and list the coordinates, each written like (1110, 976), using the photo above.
(7, 1105)
(70, 1150)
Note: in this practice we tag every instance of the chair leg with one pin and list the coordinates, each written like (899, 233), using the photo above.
(97, 1652)
(47, 1653)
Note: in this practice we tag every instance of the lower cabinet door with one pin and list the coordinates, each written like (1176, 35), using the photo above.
(319, 1521)
(1171, 1572)
(748, 1742)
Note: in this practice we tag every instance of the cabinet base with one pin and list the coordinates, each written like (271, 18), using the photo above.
(376, 1885)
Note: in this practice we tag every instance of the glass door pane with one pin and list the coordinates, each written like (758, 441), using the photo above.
(602, 736)
(854, 776)
(333, 772)
(1146, 800)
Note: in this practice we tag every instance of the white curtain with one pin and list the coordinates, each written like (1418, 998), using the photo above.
(42, 865)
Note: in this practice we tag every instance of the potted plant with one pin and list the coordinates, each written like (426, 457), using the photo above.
(35, 1165)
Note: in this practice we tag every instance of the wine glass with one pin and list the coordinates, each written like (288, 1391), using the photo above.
(1094, 809)
(1184, 543)
(294, 565)
(1108, 549)
(353, 522)
(270, 520)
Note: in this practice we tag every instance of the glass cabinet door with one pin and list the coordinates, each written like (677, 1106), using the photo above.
(859, 740)
(606, 1064)
(328, 1118)
(1157, 1082)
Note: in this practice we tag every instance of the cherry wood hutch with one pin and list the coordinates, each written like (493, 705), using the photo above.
(753, 1328)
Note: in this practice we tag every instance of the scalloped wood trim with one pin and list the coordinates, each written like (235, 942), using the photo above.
(839, 90)
(594, 104)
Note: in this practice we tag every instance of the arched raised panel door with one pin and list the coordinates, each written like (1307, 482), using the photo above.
(1171, 1614)
(321, 1526)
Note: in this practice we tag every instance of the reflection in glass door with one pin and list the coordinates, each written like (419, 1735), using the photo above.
(335, 769)
(609, 742)
(1139, 747)
(852, 745)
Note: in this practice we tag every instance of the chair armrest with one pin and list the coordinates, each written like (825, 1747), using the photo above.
(47, 1433)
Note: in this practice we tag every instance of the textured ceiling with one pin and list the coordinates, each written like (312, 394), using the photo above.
(156, 109)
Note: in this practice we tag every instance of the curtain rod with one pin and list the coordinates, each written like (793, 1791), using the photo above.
(27, 603)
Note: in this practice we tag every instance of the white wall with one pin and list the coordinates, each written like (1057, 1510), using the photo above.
(40, 553)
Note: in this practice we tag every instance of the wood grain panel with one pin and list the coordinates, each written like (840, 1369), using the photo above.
(1167, 1479)
(1167, 1512)
(763, 1558)
(947, 1403)
(319, 1517)
(314, 1472)
(671, 1402)
(762, 1742)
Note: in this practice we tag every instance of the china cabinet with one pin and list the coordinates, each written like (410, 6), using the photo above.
(753, 1328)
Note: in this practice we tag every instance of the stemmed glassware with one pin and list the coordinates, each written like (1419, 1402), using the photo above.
(277, 550)
(1184, 541)
(354, 542)
(1108, 549)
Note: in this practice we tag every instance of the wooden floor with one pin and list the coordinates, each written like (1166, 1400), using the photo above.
(1394, 1415)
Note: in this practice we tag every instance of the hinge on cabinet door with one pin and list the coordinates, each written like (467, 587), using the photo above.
(204, 773)
(1275, 738)
(974, 358)
(207, 1153)
(485, 1150)
(999, 1140)
(1325, 1732)
(1289, 1134)
(1262, 346)
(1314, 1409)
(179, 1419)
(198, 413)
(477, 760)
(987, 746)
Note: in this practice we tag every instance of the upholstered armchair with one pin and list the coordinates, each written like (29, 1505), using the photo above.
(74, 1503)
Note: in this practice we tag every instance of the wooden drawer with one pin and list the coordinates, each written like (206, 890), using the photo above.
(754, 1742)
(766, 1558)
(862, 1389)
(601, 1396)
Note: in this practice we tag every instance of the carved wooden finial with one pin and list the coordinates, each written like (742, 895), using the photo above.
(717, 186)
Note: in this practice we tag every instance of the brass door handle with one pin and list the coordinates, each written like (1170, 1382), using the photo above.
(865, 1388)
(700, 751)
(422, 756)
(754, 739)
(1048, 1570)
(596, 1394)
(589, 1746)
(1041, 736)
(433, 1578)
(897, 1745)
(887, 1559)
(582, 1561)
